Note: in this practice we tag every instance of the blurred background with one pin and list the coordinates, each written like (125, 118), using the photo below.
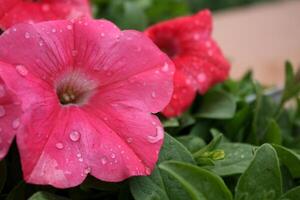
(257, 35)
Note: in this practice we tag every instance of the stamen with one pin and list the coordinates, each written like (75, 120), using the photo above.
(75, 88)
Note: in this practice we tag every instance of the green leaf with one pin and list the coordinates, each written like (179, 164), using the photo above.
(160, 185)
(191, 142)
(217, 105)
(290, 159)
(45, 196)
(292, 83)
(199, 183)
(262, 179)
(273, 133)
(3, 174)
(263, 113)
(237, 158)
(293, 194)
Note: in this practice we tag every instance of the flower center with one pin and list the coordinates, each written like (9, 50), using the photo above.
(75, 88)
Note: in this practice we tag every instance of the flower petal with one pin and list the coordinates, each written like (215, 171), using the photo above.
(183, 96)
(50, 45)
(17, 11)
(9, 118)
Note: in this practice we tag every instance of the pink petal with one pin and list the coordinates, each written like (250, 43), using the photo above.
(183, 96)
(50, 44)
(9, 118)
(126, 75)
(17, 11)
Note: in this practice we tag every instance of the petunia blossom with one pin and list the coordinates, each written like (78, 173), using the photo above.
(88, 92)
(18, 11)
(199, 62)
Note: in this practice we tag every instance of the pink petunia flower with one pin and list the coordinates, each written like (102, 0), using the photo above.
(87, 91)
(199, 62)
(18, 11)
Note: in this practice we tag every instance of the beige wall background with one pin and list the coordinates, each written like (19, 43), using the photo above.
(260, 37)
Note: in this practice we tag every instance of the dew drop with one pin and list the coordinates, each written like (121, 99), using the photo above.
(129, 140)
(53, 30)
(102, 34)
(16, 123)
(59, 145)
(74, 136)
(41, 43)
(80, 159)
(14, 29)
(113, 155)
(2, 111)
(147, 170)
(87, 170)
(103, 160)
(2, 91)
(201, 77)
(165, 68)
(78, 155)
(69, 27)
(159, 135)
(27, 35)
(21, 69)
(153, 94)
(45, 7)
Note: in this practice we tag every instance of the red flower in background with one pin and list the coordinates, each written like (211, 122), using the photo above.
(87, 93)
(17, 11)
(199, 62)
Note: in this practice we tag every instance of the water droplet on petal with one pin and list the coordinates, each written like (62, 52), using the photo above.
(153, 94)
(21, 69)
(165, 68)
(102, 34)
(41, 43)
(45, 7)
(78, 155)
(59, 145)
(2, 111)
(27, 35)
(129, 140)
(80, 159)
(159, 135)
(69, 27)
(201, 77)
(16, 123)
(113, 155)
(53, 30)
(147, 170)
(74, 136)
(103, 160)
(2, 91)
(87, 170)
